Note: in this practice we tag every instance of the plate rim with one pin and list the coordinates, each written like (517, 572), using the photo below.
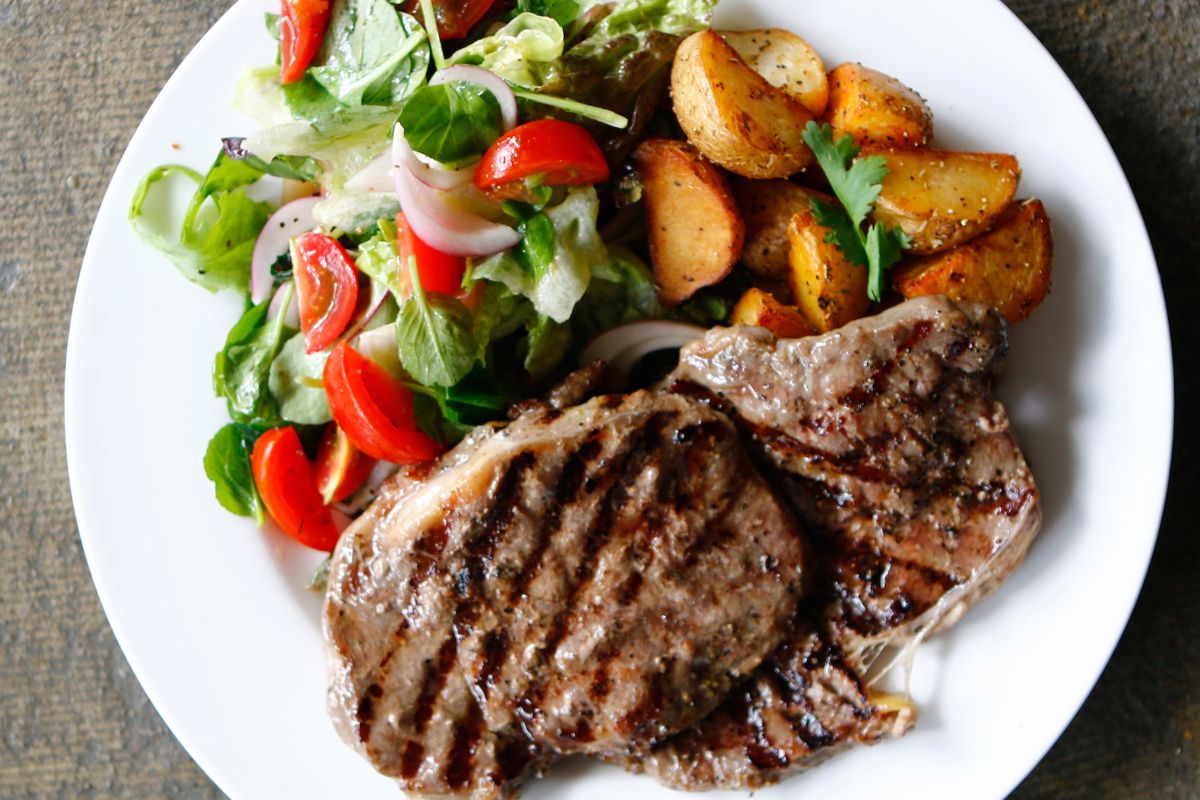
(72, 381)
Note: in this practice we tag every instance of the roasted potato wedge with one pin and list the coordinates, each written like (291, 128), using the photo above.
(876, 108)
(787, 62)
(760, 308)
(694, 226)
(1008, 268)
(943, 199)
(828, 289)
(733, 115)
(768, 208)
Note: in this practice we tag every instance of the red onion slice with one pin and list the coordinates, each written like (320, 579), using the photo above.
(379, 294)
(621, 348)
(292, 314)
(290, 220)
(374, 177)
(488, 80)
(440, 225)
(437, 177)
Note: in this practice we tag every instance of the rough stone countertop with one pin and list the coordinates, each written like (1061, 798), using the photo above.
(76, 77)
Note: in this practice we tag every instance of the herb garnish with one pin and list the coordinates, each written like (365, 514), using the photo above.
(857, 184)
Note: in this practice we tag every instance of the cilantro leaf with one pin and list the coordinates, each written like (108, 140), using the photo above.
(884, 250)
(857, 183)
(842, 231)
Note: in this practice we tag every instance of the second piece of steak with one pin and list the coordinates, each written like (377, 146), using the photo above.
(802, 706)
(887, 439)
(587, 580)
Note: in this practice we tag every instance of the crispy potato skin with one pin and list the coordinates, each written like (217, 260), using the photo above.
(787, 62)
(1008, 268)
(759, 308)
(875, 108)
(694, 226)
(828, 289)
(733, 115)
(943, 199)
(768, 208)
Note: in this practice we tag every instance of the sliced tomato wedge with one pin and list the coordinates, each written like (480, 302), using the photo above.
(326, 287)
(302, 26)
(341, 467)
(558, 153)
(285, 479)
(455, 18)
(440, 272)
(374, 410)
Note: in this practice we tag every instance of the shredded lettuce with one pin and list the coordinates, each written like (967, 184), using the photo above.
(556, 287)
(523, 52)
(216, 236)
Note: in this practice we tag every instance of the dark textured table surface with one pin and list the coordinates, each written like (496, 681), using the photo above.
(76, 77)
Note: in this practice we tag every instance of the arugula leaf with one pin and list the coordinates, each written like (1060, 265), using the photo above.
(857, 184)
(452, 122)
(434, 336)
(227, 465)
(241, 370)
(295, 383)
(212, 250)
(372, 54)
(563, 12)
(433, 417)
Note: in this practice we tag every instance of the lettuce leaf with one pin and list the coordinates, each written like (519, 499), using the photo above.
(295, 383)
(372, 54)
(556, 287)
(525, 51)
(216, 236)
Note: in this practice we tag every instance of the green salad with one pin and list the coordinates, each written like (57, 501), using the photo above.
(456, 222)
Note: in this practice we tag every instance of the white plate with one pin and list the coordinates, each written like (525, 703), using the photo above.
(212, 615)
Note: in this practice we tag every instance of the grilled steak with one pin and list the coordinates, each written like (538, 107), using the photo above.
(887, 440)
(594, 579)
(801, 707)
(890, 445)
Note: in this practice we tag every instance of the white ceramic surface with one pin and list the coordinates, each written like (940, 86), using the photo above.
(211, 612)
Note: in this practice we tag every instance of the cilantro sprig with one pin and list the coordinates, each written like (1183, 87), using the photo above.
(856, 184)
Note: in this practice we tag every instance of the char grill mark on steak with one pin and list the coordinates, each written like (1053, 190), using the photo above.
(803, 706)
(885, 438)
(635, 508)
(554, 586)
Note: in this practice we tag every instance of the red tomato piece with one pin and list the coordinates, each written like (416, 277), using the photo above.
(561, 153)
(374, 410)
(326, 287)
(455, 18)
(302, 26)
(440, 272)
(285, 480)
(341, 467)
